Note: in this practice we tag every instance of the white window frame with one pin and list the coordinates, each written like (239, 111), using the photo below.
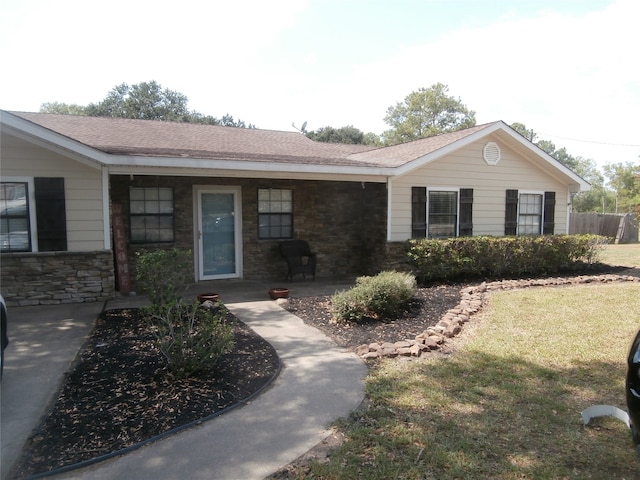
(445, 189)
(531, 192)
(31, 205)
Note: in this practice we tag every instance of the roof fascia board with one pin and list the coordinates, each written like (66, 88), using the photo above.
(51, 140)
(129, 164)
(581, 183)
(201, 171)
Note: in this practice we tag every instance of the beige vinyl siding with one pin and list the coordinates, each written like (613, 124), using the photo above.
(82, 183)
(467, 169)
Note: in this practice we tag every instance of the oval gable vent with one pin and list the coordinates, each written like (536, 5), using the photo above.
(491, 153)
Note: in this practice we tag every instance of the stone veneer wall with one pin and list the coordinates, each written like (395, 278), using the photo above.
(344, 222)
(51, 278)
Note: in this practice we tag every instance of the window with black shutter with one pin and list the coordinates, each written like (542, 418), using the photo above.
(529, 213)
(441, 213)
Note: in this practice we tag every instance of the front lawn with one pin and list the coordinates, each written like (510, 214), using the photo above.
(507, 403)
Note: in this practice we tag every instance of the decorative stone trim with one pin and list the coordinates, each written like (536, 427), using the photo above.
(472, 300)
(52, 278)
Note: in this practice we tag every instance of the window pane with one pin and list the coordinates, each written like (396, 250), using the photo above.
(263, 195)
(165, 194)
(151, 194)
(443, 208)
(151, 214)
(165, 206)
(14, 217)
(136, 193)
(136, 206)
(275, 208)
(530, 218)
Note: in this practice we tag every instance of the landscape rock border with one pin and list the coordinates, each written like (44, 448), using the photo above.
(472, 300)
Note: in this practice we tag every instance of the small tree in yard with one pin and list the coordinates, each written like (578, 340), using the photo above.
(162, 273)
(191, 337)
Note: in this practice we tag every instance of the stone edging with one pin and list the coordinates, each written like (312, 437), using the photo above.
(472, 299)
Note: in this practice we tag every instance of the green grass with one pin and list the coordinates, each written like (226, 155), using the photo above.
(507, 404)
(622, 254)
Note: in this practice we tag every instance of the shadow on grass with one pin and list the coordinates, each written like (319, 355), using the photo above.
(475, 415)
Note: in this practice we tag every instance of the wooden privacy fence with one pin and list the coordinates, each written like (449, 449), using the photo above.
(621, 228)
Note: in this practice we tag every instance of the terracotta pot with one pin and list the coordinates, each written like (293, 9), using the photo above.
(212, 297)
(278, 292)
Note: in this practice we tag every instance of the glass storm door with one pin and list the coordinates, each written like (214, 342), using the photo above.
(218, 238)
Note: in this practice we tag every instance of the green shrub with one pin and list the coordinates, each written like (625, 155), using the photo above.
(191, 337)
(382, 296)
(495, 257)
(162, 272)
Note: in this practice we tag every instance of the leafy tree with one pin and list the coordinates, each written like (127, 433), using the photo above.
(145, 100)
(560, 154)
(427, 112)
(63, 108)
(624, 178)
(348, 134)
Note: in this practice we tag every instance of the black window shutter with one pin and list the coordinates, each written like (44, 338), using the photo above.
(418, 212)
(51, 216)
(549, 212)
(511, 213)
(466, 212)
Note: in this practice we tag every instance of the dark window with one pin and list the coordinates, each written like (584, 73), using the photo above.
(443, 214)
(51, 214)
(15, 232)
(275, 213)
(151, 214)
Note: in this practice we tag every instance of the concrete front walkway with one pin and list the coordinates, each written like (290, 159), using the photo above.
(319, 383)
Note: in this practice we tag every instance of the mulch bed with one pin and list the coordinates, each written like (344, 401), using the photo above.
(425, 309)
(120, 393)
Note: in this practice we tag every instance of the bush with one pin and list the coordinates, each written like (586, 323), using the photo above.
(497, 257)
(382, 296)
(191, 337)
(162, 272)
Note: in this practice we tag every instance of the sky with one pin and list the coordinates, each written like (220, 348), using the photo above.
(568, 69)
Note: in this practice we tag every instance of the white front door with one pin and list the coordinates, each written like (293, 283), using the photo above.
(218, 232)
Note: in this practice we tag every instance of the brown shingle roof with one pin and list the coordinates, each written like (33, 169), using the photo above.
(123, 136)
(170, 139)
(403, 153)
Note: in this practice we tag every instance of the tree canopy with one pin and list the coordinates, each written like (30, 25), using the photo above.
(145, 100)
(619, 192)
(425, 113)
(348, 134)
